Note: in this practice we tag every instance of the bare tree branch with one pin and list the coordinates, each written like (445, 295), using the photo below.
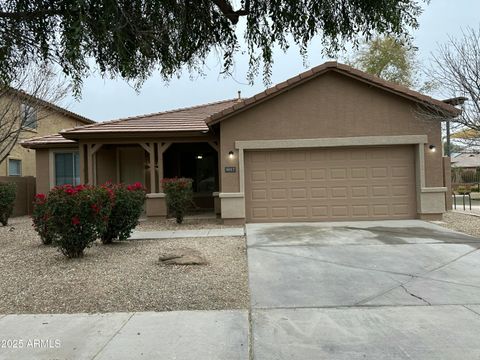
(456, 66)
(32, 87)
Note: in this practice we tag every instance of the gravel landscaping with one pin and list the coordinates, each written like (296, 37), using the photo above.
(125, 276)
(468, 224)
(189, 223)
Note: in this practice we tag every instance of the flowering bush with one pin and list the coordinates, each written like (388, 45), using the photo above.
(126, 211)
(41, 217)
(78, 216)
(7, 200)
(179, 196)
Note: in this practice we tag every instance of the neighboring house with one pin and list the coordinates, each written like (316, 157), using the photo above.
(332, 143)
(469, 161)
(466, 168)
(40, 118)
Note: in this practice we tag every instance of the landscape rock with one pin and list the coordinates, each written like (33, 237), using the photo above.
(184, 256)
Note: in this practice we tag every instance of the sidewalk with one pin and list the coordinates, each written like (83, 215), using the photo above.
(174, 234)
(179, 335)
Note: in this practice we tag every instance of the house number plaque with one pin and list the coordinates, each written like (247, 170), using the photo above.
(230, 169)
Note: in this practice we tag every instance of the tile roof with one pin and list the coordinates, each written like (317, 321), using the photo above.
(46, 141)
(190, 119)
(244, 104)
(470, 160)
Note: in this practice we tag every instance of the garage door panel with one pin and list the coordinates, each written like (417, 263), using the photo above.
(318, 174)
(330, 184)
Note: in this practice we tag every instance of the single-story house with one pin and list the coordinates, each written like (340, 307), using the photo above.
(469, 161)
(332, 143)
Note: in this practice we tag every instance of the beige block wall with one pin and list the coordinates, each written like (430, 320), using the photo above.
(332, 105)
(50, 122)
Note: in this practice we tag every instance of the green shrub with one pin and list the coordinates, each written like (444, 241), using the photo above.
(41, 218)
(463, 189)
(126, 211)
(179, 196)
(78, 216)
(7, 201)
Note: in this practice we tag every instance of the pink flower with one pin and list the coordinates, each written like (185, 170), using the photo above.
(70, 191)
(95, 208)
(40, 198)
(75, 220)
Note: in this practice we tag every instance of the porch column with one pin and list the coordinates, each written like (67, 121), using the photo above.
(91, 151)
(150, 149)
(161, 148)
(81, 151)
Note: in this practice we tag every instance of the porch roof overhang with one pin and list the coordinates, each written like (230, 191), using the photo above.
(49, 141)
(59, 141)
(124, 135)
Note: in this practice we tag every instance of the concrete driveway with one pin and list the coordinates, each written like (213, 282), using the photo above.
(363, 290)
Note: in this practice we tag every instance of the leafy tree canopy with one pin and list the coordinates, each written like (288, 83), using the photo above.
(133, 38)
(393, 59)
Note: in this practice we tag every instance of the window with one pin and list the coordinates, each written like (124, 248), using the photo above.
(29, 116)
(67, 167)
(14, 167)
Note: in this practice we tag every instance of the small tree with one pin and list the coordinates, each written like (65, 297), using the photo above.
(179, 195)
(7, 201)
(79, 216)
(392, 59)
(126, 211)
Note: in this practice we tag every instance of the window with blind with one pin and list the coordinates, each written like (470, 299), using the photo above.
(14, 167)
(67, 168)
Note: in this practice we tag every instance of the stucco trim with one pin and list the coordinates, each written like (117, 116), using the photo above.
(428, 200)
(332, 142)
(155, 195)
(231, 195)
(419, 140)
(434, 190)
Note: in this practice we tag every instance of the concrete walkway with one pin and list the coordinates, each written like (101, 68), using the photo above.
(175, 234)
(182, 335)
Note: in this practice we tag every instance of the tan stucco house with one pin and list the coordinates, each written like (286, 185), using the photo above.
(39, 118)
(332, 143)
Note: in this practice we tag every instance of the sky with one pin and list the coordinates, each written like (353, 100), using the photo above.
(107, 99)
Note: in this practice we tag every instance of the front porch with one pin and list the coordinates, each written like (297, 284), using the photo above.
(148, 162)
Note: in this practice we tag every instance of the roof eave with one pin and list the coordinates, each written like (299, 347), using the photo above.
(74, 135)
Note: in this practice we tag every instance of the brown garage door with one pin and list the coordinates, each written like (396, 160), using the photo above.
(330, 184)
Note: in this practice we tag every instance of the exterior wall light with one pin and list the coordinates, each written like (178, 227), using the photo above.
(230, 154)
(432, 148)
(199, 157)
